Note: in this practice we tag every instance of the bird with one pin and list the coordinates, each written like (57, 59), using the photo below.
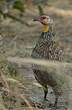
(48, 49)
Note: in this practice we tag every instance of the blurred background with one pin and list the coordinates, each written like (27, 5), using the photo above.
(18, 36)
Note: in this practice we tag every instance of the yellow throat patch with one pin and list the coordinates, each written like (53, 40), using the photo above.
(45, 28)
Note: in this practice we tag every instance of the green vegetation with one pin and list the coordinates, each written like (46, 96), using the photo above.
(41, 11)
(19, 4)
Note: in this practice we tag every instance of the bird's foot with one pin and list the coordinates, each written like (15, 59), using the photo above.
(50, 105)
(46, 100)
(53, 106)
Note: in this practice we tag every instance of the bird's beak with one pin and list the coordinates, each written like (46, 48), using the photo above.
(37, 19)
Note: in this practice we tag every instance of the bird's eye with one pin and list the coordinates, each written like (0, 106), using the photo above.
(43, 17)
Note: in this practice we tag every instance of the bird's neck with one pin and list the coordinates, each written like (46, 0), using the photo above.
(45, 28)
(47, 33)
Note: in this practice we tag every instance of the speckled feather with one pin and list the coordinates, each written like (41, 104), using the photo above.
(47, 48)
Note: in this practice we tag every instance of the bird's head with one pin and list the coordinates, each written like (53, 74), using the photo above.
(45, 20)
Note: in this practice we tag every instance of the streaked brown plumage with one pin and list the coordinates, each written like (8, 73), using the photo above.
(46, 48)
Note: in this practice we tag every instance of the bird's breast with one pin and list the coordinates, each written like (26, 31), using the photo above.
(47, 50)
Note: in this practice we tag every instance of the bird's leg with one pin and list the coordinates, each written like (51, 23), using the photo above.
(45, 92)
(56, 100)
